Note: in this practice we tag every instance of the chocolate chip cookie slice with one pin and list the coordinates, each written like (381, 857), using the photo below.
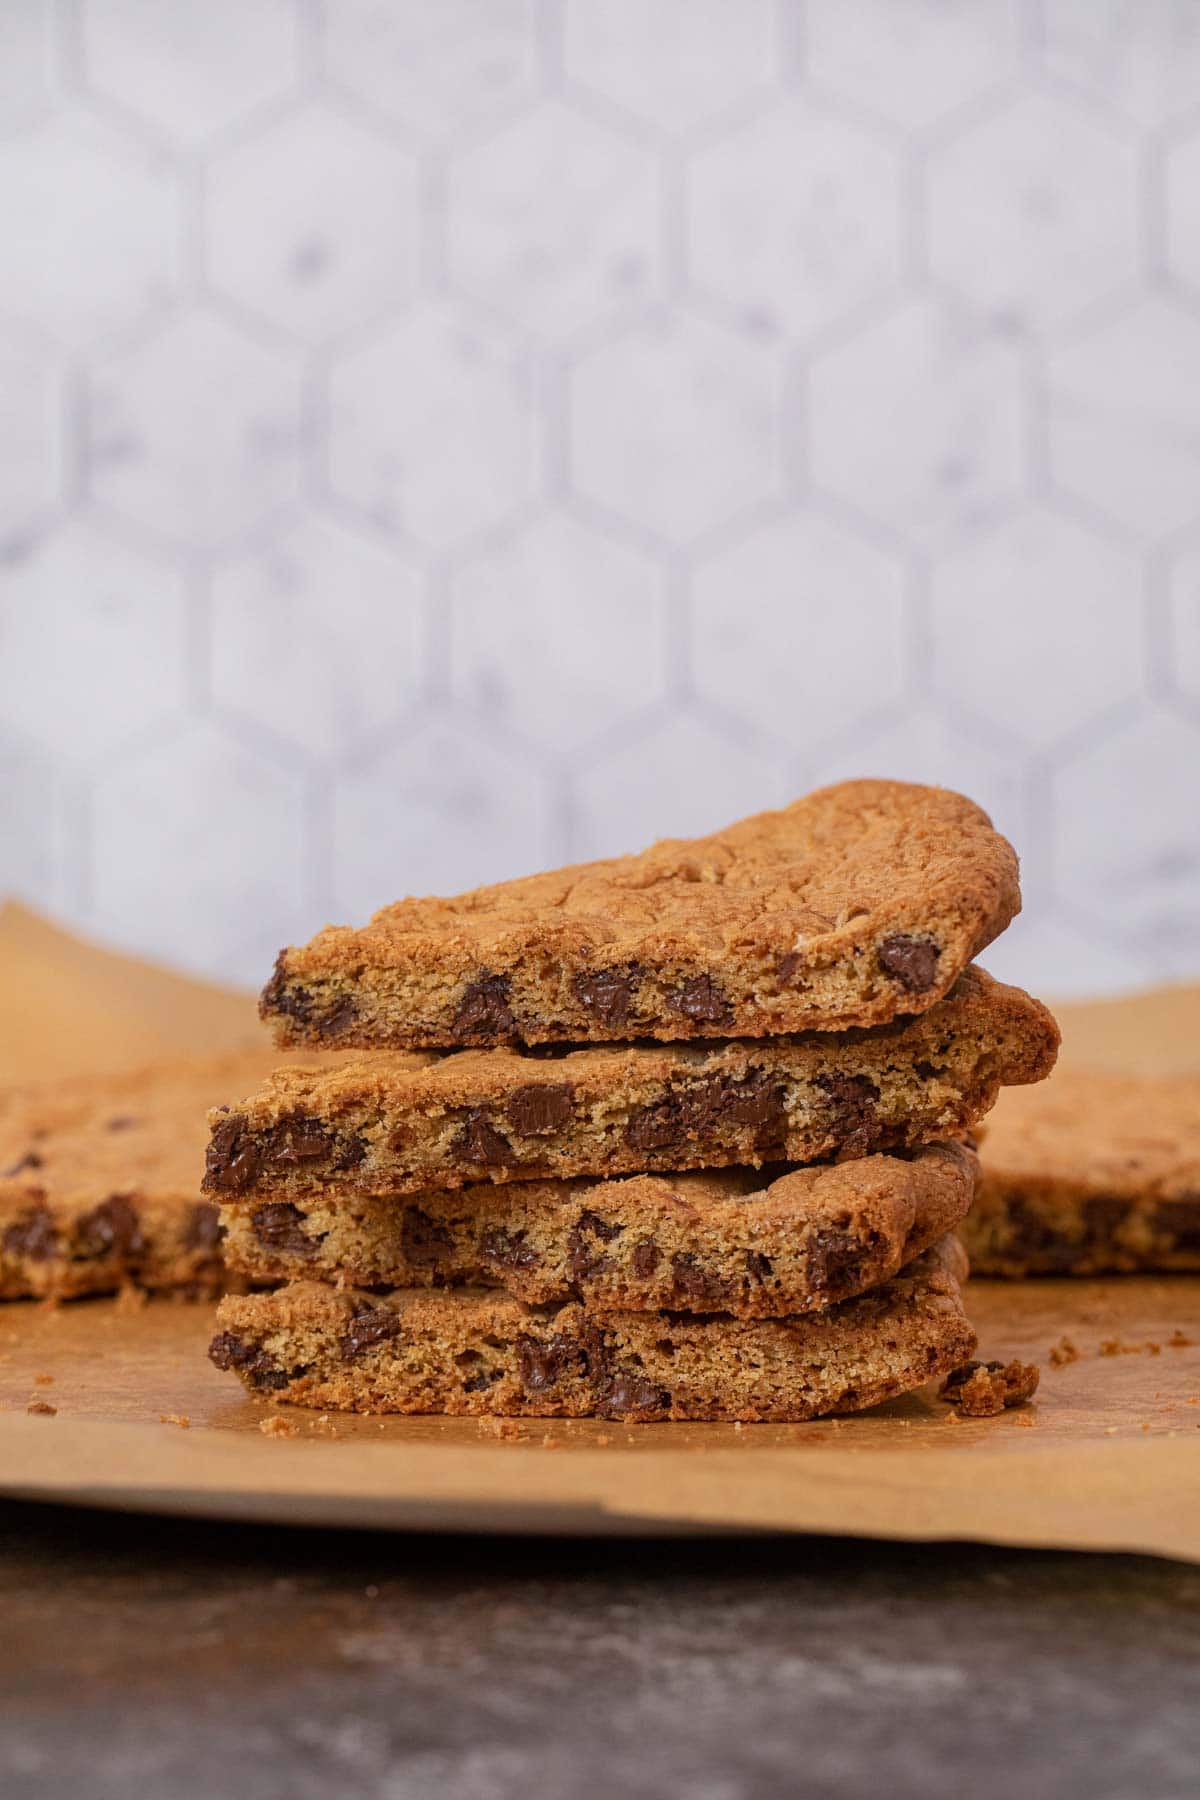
(397, 1123)
(471, 1352)
(729, 1240)
(99, 1181)
(1092, 1174)
(849, 907)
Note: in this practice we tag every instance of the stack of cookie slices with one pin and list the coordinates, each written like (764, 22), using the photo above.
(672, 1136)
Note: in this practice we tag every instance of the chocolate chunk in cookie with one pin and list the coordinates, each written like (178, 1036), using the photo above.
(508, 1250)
(233, 1158)
(33, 1235)
(256, 1368)
(624, 1394)
(298, 1139)
(478, 1141)
(484, 1013)
(912, 960)
(703, 1000)
(370, 1325)
(112, 1228)
(540, 1108)
(422, 1238)
(697, 1285)
(608, 994)
(645, 1258)
(281, 1226)
(541, 1363)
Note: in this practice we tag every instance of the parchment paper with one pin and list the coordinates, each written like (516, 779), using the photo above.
(1107, 1458)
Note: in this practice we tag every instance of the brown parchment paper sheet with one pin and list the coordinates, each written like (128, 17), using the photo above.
(1108, 1457)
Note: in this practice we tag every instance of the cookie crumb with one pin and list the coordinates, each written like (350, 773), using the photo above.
(43, 1381)
(1025, 1419)
(180, 1419)
(278, 1426)
(44, 1407)
(984, 1389)
(501, 1428)
(1065, 1351)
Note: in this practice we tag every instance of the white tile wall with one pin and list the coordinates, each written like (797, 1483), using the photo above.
(439, 440)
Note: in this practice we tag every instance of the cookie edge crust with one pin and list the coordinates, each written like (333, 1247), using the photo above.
(309, 1002)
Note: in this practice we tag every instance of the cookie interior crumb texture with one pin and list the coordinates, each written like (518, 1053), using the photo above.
(397, 1122)
(851, 906)
(751, 1244)
(100, 1180)
(1090, 1174)
(471, 1352)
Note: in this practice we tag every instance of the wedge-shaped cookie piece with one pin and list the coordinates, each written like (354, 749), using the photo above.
(727, 1240)
(472, 1352)
(1092, 1174)
(401, 1122)
(99, 1180)
(849, 907)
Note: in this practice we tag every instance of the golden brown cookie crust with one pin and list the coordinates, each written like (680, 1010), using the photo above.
(1090, 1174)
(852, 906)
(714, 1241)
(401, 1122)
(469, 1352)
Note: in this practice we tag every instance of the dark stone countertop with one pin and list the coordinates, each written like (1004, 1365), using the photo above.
(156, 1658)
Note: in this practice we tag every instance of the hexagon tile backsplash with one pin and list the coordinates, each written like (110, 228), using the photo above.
(445, 439)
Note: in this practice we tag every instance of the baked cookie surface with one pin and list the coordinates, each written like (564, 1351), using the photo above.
(401, 1122)
(756, 1245)
(1090, 1174)
(851, 906)
(470, 1352)
(100, 1180)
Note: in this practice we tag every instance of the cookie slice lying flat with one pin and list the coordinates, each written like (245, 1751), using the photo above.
(99, 1180)
(472, 1352)
(1091, 1174)
(402, 1122)
(720, 1241)
(853, 905)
